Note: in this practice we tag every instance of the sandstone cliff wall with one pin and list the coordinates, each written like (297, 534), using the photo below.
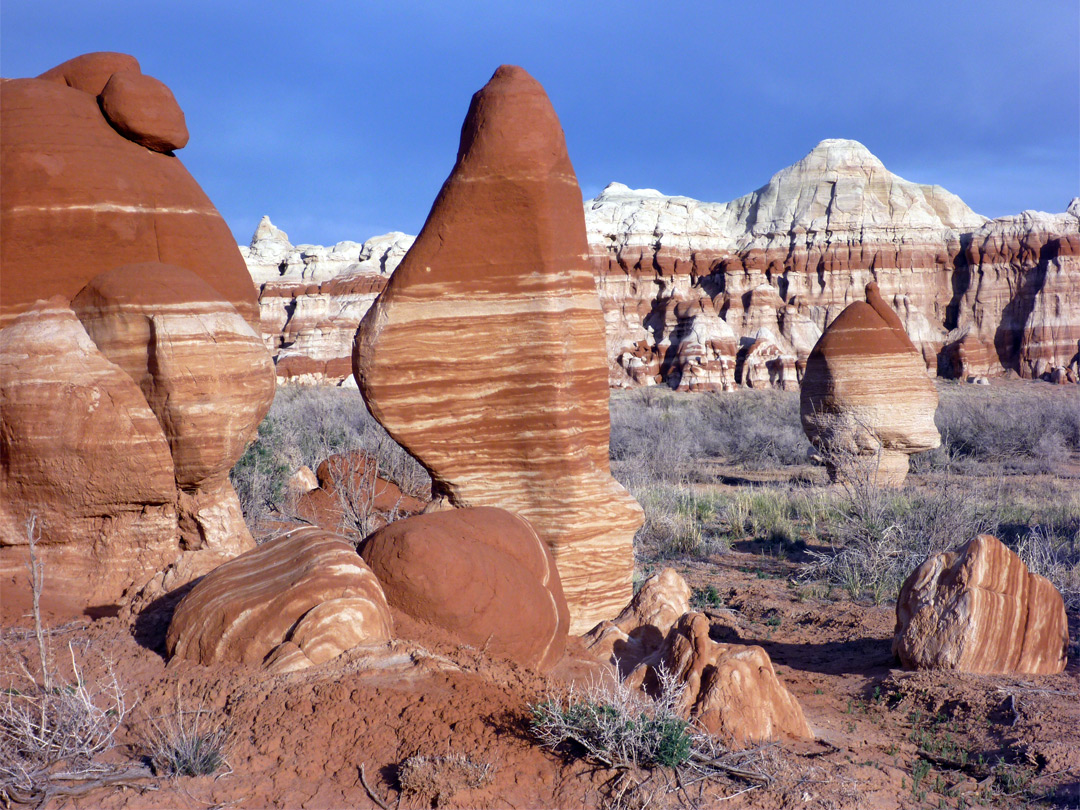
(708, 296)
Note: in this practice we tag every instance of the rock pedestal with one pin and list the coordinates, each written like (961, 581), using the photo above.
(866, 398)
(484, 357)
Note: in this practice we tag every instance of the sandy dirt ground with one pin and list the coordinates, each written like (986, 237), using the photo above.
(886, 738)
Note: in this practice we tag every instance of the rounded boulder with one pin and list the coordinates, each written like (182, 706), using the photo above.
(482, 574)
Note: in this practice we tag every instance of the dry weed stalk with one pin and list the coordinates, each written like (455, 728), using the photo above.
(188, 742)
(52, 729)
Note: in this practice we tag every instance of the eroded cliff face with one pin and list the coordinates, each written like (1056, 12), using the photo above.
(708, 296)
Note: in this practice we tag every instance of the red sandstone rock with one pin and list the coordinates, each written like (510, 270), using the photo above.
(71, 185)
(294, 601)
(144, 110)
(866, 394)
(640, 630)
(731, 690)
(979, 609)
(203, 371)
(483, 574)
(352, 498)
(80, 450)
(484, 356)
(91, 71)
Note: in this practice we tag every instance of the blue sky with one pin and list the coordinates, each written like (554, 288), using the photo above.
(340, 119)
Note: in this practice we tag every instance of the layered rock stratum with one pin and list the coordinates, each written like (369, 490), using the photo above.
(87, 174)
(484, 355)
(128, 394)
(295, 601)
(707, 296)
(979, 609)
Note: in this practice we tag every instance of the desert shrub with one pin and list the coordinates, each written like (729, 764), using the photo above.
(756, 429)
(187, 742)
(54, 724)
(616, 725)
(980, 425)
(305, 425)
(665, 436)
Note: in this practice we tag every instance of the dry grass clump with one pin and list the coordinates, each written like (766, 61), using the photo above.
(438, 779)
(305, 425)
(187, 742)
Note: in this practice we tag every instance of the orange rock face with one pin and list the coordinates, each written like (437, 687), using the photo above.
(866, 393)
(80, 450)
(73, 186)
(204, 372)
(640, 629)
(483, 574)
(484, 356)
(979, 609)
(731, 690)
(294, 601)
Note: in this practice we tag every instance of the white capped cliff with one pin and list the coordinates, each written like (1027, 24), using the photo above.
(708, 296)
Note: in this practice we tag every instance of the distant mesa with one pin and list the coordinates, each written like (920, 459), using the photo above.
(484, 355)
(866, 402)
(706, 296)
(979, 609)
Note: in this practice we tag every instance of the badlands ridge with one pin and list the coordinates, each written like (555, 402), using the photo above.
(708, 296)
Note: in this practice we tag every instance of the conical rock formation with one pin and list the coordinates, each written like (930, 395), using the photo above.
(865, 393)
(484, 356)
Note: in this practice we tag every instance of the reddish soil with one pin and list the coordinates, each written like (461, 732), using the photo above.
(299, 740)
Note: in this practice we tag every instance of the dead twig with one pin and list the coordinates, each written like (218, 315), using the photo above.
(370, 792)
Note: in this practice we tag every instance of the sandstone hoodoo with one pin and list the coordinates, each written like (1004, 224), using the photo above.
(484, 356)
(483, 574)
(979, 609)
(297, 600)
(866, 397)
(86, 173)
(162, 323)
(84, 457)
(204, 373)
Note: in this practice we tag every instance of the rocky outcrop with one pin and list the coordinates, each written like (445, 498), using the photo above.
(865, 394)
(122, 501)
(83, 455)
(297, 600)
(311, 298)
(731, 690)
(706, 296)
(86, 175)
(351, 497)
(979, 609)
(482, 574)
(483, 356)
(204, 373)
(640, 629)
